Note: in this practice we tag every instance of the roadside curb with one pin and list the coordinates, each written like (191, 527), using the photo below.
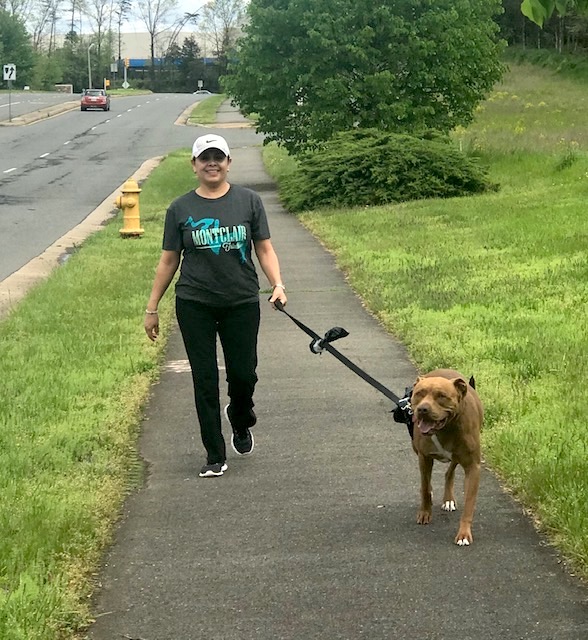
(16, 286)
(42, 114)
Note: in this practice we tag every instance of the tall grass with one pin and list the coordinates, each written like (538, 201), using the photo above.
(75, 372)
(495, 286)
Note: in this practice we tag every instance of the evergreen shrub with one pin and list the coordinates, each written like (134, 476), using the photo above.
(371, 167)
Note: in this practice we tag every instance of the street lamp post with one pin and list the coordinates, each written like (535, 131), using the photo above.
(90, 67)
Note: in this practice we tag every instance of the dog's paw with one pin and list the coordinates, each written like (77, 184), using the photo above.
(464, 538)
(449, 505)
(424, 517)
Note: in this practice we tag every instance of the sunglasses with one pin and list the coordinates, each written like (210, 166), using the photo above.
(214, 156)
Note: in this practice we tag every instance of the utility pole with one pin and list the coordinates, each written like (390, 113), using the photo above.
(90, 66)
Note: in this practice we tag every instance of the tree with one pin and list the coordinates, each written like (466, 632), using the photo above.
(45, 17)
(311, 68)
(178, 25)
(540, 10)
(156, 16)
(76, 6)
(100, 14)
(17, 8)
(191, 66)
(222, 21)
(48, 72)
(73, 61)
(15, 46)
(121, 9)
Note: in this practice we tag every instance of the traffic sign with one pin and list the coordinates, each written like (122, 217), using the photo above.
(9, 71)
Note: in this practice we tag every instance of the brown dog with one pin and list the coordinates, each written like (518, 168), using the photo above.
(447, 420)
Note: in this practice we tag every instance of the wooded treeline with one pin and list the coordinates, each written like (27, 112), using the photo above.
(55, 41)
(50, 40)
(567, 33)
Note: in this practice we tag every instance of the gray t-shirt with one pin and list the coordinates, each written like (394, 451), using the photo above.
(215, 237)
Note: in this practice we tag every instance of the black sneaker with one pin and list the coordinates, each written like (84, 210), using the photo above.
(213, 470)
(242, 443)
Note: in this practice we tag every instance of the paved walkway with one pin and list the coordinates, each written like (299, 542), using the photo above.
(314, 536)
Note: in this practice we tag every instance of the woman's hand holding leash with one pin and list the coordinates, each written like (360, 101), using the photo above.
(278, 296)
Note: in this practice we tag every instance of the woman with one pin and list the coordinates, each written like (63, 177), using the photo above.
(212, 231)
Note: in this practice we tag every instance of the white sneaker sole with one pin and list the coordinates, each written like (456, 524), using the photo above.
(212, 474)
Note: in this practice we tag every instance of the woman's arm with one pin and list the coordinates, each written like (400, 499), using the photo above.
(268, 261)
(164, 274)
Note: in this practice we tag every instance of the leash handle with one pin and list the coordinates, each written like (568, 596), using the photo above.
(278, 305)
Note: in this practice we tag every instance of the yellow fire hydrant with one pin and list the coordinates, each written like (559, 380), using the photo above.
(129, 203)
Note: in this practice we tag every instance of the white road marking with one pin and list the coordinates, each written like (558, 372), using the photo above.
(10, 170)
(67, 142)
(44, 155)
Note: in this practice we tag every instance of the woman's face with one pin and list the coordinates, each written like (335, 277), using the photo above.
(211, 167)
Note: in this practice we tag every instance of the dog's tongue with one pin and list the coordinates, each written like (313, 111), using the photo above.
(425, 427)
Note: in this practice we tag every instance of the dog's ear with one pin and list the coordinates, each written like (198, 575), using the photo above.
(419, 378)
(461, 386)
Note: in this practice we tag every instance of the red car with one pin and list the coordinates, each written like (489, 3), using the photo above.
(95, 99)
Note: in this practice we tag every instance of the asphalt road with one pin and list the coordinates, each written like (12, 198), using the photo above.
(18, 103)
(54, 172)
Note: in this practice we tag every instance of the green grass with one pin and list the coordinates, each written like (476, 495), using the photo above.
(495, 286)
(76, 370)
(205, 110)
(129, 92)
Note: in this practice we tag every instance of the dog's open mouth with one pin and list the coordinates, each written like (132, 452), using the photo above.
(428, 427)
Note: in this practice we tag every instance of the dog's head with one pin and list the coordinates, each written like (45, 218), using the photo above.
(435, 401)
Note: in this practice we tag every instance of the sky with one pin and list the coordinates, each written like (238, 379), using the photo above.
(136, 25)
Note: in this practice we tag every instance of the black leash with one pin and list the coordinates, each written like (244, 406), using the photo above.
(324, 343)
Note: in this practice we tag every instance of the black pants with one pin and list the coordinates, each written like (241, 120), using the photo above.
(237, 328)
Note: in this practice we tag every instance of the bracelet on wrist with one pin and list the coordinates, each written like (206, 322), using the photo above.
(279, 285)
(151, 313)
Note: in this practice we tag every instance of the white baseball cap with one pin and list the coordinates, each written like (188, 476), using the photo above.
(210, 141)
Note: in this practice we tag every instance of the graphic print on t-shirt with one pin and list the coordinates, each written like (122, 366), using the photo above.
(207, 233)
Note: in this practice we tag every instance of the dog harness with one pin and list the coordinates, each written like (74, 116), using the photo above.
(402, 413)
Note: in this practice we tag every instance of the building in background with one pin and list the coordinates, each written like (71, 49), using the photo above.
(137, 45)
